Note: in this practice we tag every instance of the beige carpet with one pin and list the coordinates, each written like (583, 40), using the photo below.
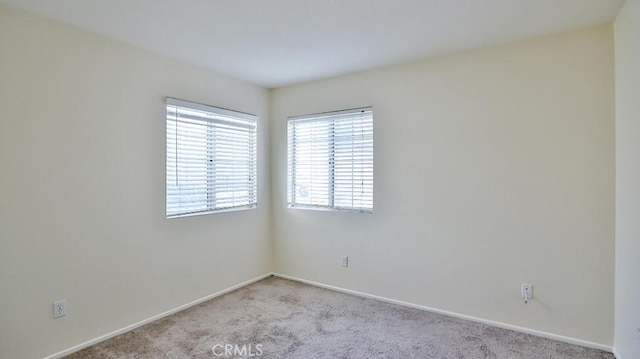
(277, 318)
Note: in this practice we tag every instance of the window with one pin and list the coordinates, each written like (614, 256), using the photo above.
(330, 160)
(211, 159)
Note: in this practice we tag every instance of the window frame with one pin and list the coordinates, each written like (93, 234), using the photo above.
(251, 122)
(331, 118)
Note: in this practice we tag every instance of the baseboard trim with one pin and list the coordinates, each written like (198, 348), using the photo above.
(516, 328)
(615, 354)
(133, 326)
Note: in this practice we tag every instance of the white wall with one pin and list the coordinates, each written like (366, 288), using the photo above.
(627, 64)
(82, 188)
(492, 167)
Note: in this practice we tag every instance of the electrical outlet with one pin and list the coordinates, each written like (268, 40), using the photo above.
(526, 292)
(638, 337)
(345, 261)
(60, 308)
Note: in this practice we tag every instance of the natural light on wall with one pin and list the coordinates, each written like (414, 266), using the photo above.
(330, 160)
(211, 159)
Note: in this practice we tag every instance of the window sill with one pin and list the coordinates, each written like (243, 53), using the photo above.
(330, 209)
(232, 209)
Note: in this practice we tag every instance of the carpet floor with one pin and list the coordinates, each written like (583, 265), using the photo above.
(277, 318)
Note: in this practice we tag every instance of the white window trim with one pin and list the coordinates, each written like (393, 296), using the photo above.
(219, 112)
(290, 193)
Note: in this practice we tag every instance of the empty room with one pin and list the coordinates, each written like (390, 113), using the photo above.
(320, 179)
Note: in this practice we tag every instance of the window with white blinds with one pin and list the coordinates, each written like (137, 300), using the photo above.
(330, 160)
(211, 159)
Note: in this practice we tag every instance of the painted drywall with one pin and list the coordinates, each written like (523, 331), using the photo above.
(492, 168)
(627, 75)
(82, 149)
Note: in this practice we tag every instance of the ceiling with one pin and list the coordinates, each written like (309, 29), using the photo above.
(274, 43)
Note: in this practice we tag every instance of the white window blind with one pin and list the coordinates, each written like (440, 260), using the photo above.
(330, 160)
(211, 159)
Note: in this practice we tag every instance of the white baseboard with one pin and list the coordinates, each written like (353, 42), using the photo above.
(516, 328)
(615, 354)
(133, 326)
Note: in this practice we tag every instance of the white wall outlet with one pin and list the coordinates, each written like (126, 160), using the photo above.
(526, 292)
(638, 337)
(345, 261)
(60, 308)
